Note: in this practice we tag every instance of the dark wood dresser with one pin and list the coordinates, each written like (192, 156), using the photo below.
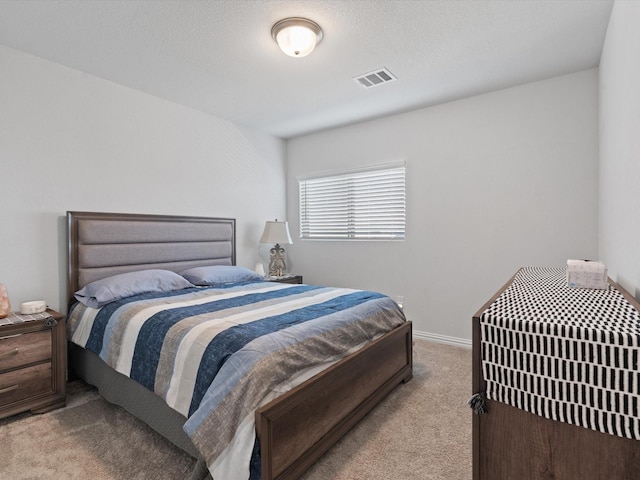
(511, 443)
(33, 365)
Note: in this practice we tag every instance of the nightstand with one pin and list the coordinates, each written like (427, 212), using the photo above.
(291, 279)
(33, 363)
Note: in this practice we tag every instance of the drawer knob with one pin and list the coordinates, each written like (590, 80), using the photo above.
(10, 353)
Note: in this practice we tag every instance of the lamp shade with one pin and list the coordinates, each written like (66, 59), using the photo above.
(297, 37)
(276, 232)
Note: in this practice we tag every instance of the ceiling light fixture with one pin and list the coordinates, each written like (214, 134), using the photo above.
(297, 37)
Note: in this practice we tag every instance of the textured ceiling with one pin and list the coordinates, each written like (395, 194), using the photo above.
(218, 56)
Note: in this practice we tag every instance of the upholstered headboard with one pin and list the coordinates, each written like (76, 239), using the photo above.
(105, 244)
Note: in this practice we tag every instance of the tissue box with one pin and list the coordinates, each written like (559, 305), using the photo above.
(586, 274)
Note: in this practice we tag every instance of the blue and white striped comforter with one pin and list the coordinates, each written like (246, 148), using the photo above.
(217, 354)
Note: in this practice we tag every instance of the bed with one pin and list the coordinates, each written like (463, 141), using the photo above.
(293, 429)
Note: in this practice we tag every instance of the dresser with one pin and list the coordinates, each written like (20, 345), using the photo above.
(33, 365)
(555, 372)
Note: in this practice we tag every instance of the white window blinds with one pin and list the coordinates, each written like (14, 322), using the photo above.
(363, 205)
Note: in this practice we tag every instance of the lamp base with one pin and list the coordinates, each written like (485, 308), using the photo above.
(277, 263)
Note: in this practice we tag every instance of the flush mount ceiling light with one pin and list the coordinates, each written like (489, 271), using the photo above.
(297, 37)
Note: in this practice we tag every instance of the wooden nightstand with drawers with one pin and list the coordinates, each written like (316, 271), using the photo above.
(33, 362)
(297, 279)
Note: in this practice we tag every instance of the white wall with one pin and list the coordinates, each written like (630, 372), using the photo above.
(494, 182)
(619, 207)
(70, 141)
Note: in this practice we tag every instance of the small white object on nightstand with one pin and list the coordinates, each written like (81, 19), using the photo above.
(36, 306)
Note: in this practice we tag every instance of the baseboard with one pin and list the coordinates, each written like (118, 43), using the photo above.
(435, 337)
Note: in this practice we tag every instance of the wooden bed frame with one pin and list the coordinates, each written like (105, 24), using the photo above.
(512, 443)
(295, 429)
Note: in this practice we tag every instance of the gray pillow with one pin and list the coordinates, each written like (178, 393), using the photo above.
(110, 289)
(219, 275)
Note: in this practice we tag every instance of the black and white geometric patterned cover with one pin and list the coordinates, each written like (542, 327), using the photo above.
(567, 354)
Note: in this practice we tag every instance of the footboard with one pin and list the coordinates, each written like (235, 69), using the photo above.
(297, 428)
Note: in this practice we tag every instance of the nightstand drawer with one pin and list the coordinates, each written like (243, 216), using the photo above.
(25, 383)
(24, 349)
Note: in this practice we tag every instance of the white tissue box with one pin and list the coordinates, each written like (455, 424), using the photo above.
(586, 274)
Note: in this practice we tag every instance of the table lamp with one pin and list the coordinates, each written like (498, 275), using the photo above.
(276, 233)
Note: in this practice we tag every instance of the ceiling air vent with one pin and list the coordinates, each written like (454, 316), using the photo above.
(375, 78)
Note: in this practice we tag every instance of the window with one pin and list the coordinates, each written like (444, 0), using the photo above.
(362, 205)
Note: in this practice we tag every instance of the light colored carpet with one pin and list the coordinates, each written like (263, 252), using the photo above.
(89, 439)
(421, 431)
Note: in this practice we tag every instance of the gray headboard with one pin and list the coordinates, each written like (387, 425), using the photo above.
(105, 244)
